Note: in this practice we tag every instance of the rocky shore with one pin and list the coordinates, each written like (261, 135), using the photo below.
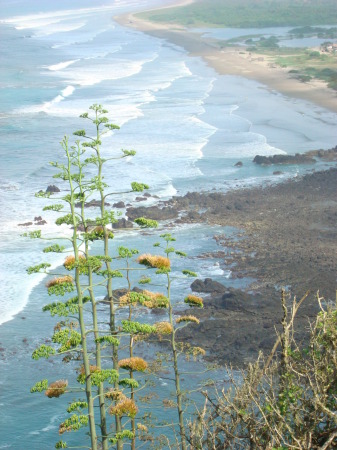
(286, 237)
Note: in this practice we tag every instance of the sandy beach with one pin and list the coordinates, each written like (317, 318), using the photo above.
(235, 61)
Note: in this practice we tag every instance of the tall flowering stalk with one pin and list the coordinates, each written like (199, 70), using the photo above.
(162, 264)
(89, 272)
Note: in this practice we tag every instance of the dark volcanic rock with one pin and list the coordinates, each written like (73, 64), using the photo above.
(326, 155)
(41, 222)
(119, 205)
(238, 164)
(122, 223)
(140, 199)
(152, 212)
(283, 159)
(38, 218)
(208, 285)
(26, 224)
(52, 188)
(193, 216)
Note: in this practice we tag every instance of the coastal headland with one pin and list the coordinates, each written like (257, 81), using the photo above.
(286, 234)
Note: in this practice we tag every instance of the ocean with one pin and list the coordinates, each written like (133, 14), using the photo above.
(188, 125)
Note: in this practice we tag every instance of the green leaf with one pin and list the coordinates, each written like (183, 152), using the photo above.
(43, 194)
(112, 126)
(74, 423)
(40, 386)
(77, 406)
(53, 249)
(167, 237)
(126, 434)
(144, 280)
(135, 327)
(33, 234)
(108, 340)
(67, 219)
(98, 377)
(61, 444)
(36, 269)
(139, 187)
(125, 252)
(129, 152)
(44, 351)
(146, 223)
(128, 382)
(189, 273)
(79, 133)
(56, 207)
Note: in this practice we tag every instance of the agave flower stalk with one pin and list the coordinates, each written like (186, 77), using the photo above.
(81, 186)
(163, 266)
(86, 364)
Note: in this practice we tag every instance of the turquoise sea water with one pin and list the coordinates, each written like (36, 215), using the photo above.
(188, 125)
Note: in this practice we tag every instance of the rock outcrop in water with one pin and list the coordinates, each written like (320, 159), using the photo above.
(283, 159)
(152, 212)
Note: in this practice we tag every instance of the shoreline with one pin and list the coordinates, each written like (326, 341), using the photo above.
(286, 233)
(234, 61)
(286, 238)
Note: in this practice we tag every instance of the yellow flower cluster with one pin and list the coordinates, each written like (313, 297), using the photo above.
(115, 394)
(187, 319)
(142, 427)
(56, 389)
(93, 369)
(126, 407)
(134, 363)
(60, 280)
(163, 327)
(157, 262)
(197, 351)
(147, 298)
(156, 300)
(193, 300)
(69, 262)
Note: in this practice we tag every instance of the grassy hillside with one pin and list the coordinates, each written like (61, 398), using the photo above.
(249, 13)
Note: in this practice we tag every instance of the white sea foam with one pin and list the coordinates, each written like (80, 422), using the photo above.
(58, 28)
(43, 19)
(62, 65)
(17, 284)
(167, 192)
(51, 106)
(87, 37)
(95, 74)
(68, 91)
(33, 23)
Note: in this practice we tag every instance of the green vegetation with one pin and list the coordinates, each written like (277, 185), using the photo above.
(248, 13)
(307, 31)
(307, 65)
(281, 403)
(92, 342)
